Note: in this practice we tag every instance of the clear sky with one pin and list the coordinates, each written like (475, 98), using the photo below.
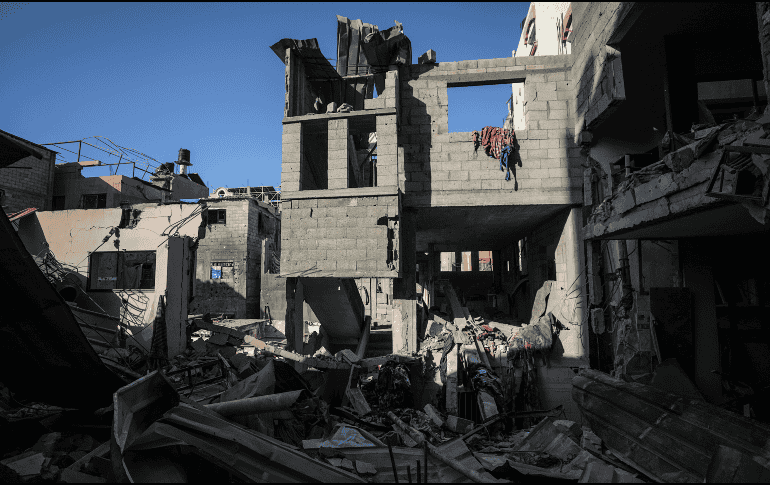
(162, 76)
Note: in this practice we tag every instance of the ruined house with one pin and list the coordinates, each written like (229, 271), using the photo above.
(432, 192)
(676, 191)
(618, 151)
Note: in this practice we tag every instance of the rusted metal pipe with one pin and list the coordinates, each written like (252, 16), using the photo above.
(257, 405)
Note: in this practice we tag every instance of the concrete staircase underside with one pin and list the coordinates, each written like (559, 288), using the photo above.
(337, 304)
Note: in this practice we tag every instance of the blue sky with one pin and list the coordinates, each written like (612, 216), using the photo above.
(159, 77)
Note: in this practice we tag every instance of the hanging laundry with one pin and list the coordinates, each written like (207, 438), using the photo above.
(502, 145)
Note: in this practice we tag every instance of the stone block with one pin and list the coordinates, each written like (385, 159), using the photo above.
(473, 64)
(624, 202)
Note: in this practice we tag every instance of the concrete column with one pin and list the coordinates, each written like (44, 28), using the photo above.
(292, 157)
(575, 341)
(404, 296)
(698, 275)
(294, 323)
(338, 153)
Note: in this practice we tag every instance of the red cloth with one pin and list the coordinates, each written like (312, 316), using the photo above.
(493, 139)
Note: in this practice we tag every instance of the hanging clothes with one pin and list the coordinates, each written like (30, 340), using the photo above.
(502, 145)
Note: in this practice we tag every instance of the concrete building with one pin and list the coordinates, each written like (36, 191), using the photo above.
(650, 109)
(230, 263)
(547, 30)
(433, 193)
(73, 190)
(26, 174)
(120, 262)
(632, 243)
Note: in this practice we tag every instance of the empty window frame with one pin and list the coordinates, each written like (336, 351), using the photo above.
(447, 261)
(217, 216)
(466, 264)
(122, 270)
(93, 201)
(485, 261)
(314, 161)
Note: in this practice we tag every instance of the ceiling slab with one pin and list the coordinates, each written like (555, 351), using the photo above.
(727, 220)
(479, 228)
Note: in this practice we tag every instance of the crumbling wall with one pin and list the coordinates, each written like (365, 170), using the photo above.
(342, 237)
(596, 70)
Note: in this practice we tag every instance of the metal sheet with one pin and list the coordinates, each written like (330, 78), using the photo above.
(152, 420)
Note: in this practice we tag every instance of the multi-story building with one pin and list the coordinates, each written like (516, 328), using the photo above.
(610, 202)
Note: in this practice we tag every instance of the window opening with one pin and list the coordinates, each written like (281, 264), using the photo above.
(471, 108)
(466, 261)
(94, 201)
(217, 216)
(447, 260)
(485, 260)
(122, 270)
(314, 160)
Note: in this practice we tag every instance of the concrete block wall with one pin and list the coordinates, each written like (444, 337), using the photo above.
(387, 150)
(225, 243)
(291, 157)
(340, 237)
(28, 188)
(439, 165)
(593, 25)
(338, 153)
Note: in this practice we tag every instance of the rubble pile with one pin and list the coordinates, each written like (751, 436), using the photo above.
(234, 405)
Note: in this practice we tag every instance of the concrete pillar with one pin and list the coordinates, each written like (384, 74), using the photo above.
(575, 341)
(698, 275)
(294, 323)
(404, 296)
(338, 153)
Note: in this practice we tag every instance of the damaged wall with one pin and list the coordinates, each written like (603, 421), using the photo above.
(236, 245)
(344, 237)
(21, 188)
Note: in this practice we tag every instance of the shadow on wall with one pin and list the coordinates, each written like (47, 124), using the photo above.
(217, 297)
(417, 167)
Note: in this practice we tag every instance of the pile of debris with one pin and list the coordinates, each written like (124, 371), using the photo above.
(236, 404)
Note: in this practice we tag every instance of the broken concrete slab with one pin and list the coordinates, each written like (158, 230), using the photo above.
(433, 415)
(357, 399)
(459, 425)
(365, 468)
(28, 466)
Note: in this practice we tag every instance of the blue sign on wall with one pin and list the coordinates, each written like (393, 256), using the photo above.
(216, 274)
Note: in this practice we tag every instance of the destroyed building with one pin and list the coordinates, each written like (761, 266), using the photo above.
(601, 267)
